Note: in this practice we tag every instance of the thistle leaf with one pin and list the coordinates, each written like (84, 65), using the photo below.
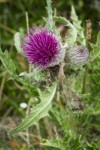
(72, 31)
(17, 42)
(56, 143)
(77, 25)
(95, 49)
(49, 21)
(7, 62)
(40, 111)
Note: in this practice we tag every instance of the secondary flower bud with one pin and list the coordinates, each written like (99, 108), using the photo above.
(78, 55)
(43, 49)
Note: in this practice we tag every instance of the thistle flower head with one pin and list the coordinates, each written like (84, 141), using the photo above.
(78, 55)
(42, 48)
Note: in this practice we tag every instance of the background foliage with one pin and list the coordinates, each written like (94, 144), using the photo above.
(68, 129)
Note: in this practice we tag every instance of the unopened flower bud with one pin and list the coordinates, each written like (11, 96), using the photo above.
(78, 55)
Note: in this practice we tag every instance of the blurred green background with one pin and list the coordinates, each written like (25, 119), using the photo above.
(12, 14)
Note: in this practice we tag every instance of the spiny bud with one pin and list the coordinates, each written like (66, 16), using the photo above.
(78, 55)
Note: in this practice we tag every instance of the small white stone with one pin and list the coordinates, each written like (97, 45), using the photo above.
(23, 105)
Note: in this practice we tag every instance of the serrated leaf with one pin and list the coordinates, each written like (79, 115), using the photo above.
(17, 42)
(77, 24)
(56, 143)
(49, 21)
(40, 111)
(72, 31)
(95, 49)
(7, 62)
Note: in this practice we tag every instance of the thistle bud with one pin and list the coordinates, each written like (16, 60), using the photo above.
(78, 55)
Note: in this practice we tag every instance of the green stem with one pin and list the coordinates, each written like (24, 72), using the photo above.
(49, 9)
(50, 17)
(85, 75)
(84, 82)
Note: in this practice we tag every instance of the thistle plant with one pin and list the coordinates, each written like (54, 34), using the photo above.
(45, 50)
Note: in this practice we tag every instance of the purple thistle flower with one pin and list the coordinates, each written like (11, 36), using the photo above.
(42, 48)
